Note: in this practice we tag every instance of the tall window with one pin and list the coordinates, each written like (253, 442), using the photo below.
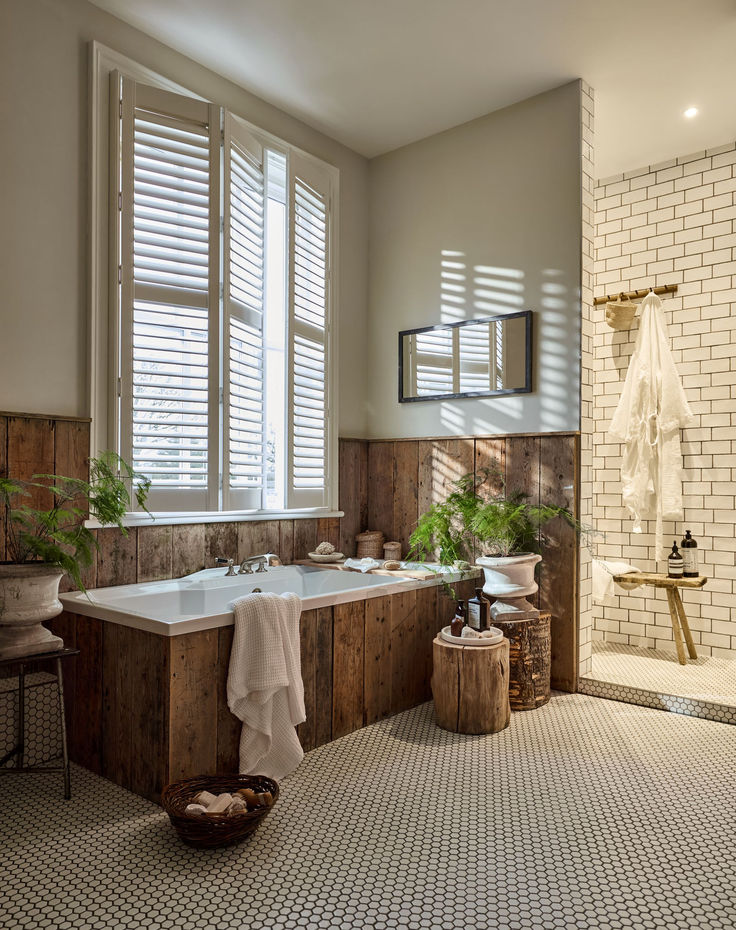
(221, 343)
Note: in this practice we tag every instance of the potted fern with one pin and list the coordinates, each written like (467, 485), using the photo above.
(44, 544)
(480, 511)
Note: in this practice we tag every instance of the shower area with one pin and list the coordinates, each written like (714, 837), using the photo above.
(672, 227)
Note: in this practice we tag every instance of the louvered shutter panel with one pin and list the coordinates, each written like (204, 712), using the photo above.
(309, 304)
(244, 351)
(169, 241)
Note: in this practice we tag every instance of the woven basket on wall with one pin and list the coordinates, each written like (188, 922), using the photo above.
(370, 544)
(213, 830)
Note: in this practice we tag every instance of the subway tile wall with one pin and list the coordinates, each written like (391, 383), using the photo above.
(672, 223)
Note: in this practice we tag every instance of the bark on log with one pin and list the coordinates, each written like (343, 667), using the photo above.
(470, 685)
(529, 678)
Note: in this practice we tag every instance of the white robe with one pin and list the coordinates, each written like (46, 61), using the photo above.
(647, 420)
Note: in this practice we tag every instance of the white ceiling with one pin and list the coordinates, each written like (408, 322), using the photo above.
(377, 74)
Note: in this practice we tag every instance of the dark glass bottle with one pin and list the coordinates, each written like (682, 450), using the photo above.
(478, 611)
(458, 621)
(674, 562)
(689, 556)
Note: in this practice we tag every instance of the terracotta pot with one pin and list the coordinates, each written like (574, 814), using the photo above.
(29, 594)
(509, 575)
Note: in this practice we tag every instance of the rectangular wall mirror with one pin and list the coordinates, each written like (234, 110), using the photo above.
(474, 358)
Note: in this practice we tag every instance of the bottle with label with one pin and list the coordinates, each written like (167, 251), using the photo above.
(478, 611)
(689, 556)
(674, 562)
(458, 621)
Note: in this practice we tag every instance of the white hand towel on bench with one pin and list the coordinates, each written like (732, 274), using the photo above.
(603, 572)
(264, 683)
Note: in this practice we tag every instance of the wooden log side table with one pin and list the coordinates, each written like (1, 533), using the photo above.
(529, 660)
(680, 625)
(470, 686)
(18, 751)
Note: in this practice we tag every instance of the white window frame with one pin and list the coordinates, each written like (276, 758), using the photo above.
(103, 237)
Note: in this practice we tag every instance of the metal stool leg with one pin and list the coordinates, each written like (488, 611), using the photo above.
(21, 717)
(62, 716)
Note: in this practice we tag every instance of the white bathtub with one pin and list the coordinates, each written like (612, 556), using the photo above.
(204, 600)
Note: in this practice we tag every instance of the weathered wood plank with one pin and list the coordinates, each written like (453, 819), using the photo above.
(405, 483)
(305, 538)
(30, 451)
(522, 470)
(220, 539)
(71, 449)
(404, 687)
(490, 467)
(148, 680)
(428, 626)
(381, 488)
(117, 557)
(192, 704)
(441, 462)
(3, 474)
(558, 576)
(328, 530)
(256, 537)
(85, 687)
(308, 654)
(377, 674)
(155, 553)
(347, 665)
(286, 541)
(187, 549)
(117, 711)
(323, 677)
(353, 491)
(228, 725)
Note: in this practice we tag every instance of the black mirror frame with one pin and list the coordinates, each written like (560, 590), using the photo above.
(526, 389)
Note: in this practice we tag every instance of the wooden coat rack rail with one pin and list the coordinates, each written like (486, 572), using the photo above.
(636, 295)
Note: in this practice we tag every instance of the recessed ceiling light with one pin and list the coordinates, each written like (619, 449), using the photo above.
(690, 112)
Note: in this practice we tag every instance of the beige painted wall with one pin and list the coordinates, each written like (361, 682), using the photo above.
(501, 197)
(43, 193)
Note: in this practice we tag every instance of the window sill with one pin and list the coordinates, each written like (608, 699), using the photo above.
(233, 516)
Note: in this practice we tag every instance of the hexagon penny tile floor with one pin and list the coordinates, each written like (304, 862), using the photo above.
(585, 814)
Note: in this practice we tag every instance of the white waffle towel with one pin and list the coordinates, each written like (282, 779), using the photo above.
(264, 683)
(603, 572)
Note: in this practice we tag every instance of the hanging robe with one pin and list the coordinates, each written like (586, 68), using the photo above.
(648, 419)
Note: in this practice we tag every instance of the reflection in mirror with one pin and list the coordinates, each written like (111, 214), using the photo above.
(469, 359)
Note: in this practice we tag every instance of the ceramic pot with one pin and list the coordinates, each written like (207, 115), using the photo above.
(29, 594)
(510, 580)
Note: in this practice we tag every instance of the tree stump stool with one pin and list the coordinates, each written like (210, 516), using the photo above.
(470, 686)
(529, 660)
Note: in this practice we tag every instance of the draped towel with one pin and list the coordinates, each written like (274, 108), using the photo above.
(264, 684)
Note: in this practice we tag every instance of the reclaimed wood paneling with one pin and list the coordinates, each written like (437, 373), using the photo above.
(187, 544)
(405, 671)
(522, 473)
(308, 651)
(228, 725)
(305, 538)
(347, 667)
(155, 553)
(31, 451)
(377, 673)
(323, 677)
(558, 580)
(429, 623)
(85, 729)
(117, 557)
(117, 712)
(405, 491)
(149, 715)
(380, 488)
(220, 539)
(353, 492)
(192, 704)
(286, 541)
(328, 530)
(3, 474)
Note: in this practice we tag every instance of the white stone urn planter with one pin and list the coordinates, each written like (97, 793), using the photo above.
(29, 594)
(510, 580)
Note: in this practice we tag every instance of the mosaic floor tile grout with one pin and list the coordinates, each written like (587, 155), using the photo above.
(564, 820)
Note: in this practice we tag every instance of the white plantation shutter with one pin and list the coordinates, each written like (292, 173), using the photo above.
(309, 303)
(434, 362)
(169, 209)
(244, 351)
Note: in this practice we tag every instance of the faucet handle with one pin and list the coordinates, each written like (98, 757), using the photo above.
(229, 562)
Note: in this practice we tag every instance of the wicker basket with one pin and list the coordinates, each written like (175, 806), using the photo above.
(370, 544)
(392, 551)
(209, 831)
